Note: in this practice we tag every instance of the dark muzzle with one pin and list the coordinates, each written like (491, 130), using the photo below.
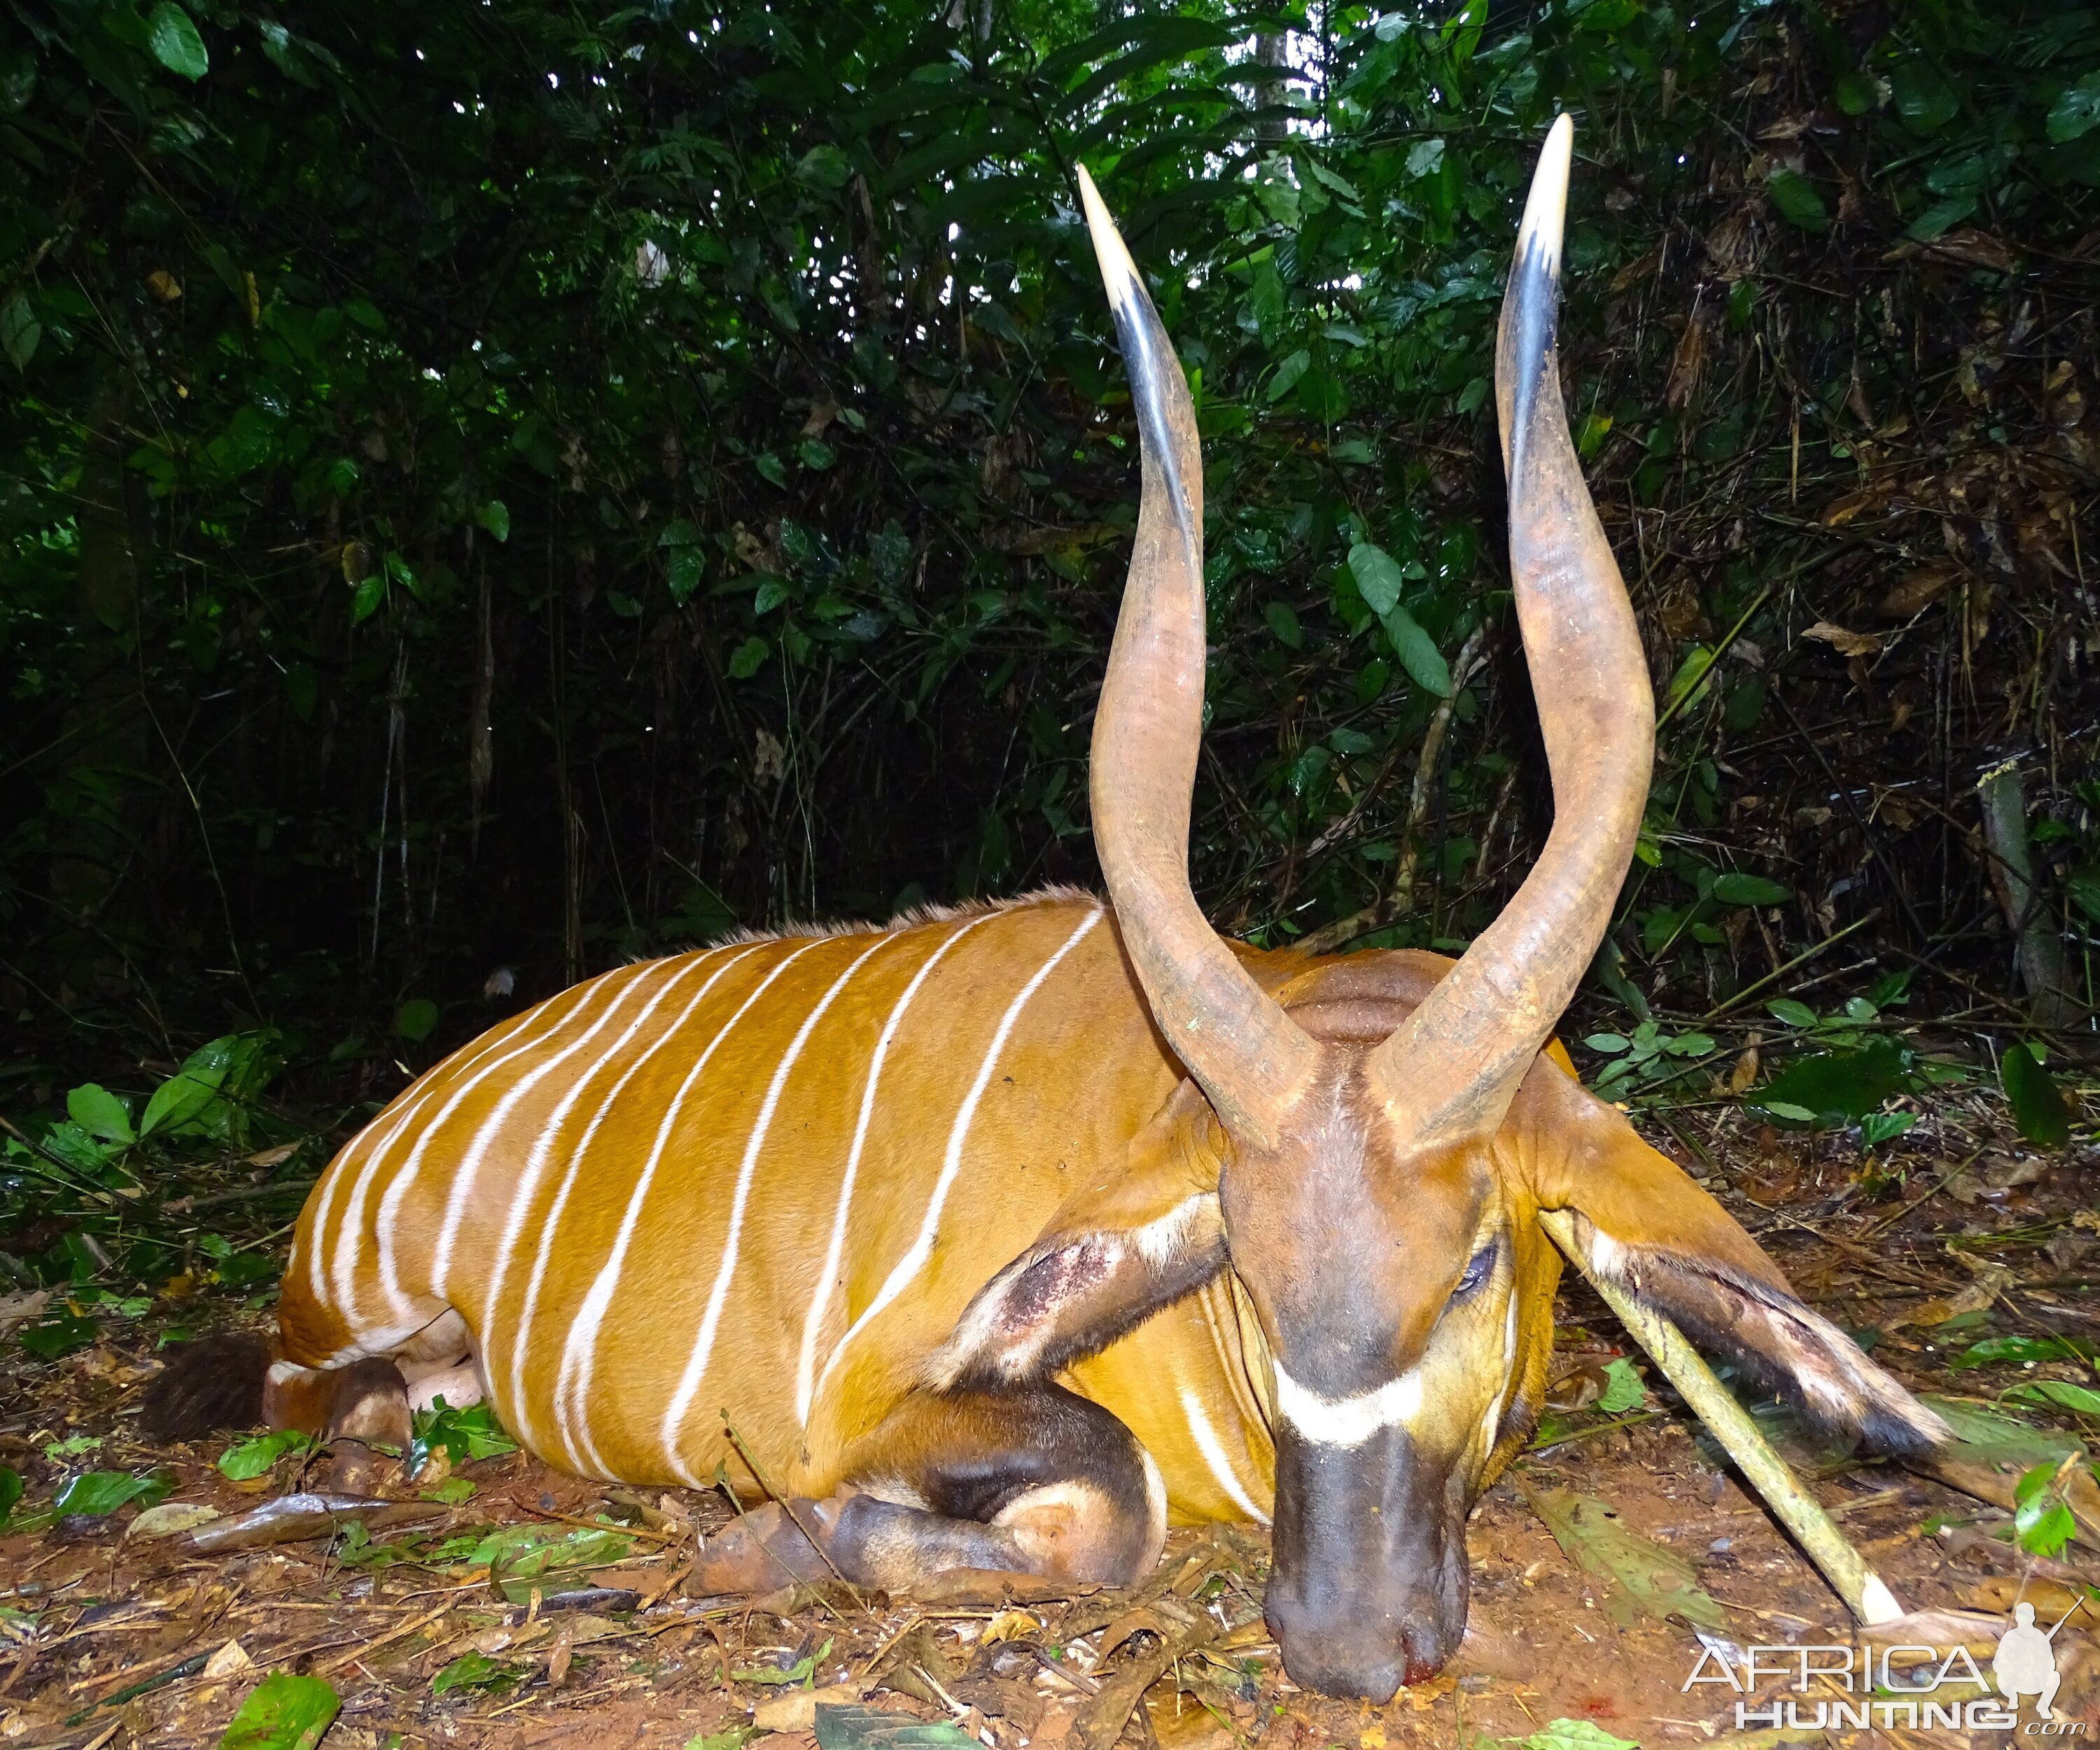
(1368, 1588)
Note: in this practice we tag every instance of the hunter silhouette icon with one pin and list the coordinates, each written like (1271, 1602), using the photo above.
(2025, 1662)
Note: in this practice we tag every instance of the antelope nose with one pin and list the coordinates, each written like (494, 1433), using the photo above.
(1376, 1680)
(1360, 1655)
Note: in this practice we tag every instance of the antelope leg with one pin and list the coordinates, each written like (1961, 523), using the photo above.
(1036, 1481)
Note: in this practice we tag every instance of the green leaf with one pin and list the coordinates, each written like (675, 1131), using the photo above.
(2001, 1349)
(255, 1458)
(453, 1490)
(523, 1552)
(1379, 578)
(1623, 1390)
(1611, 1044)
(1417, 651)
(415, 1018)
(748, 658)
(1941, 216)
(283, 1711)
(51, 1338)
(370, 594)
(736, 1737)
(1799, 200)
(1576, 1734)
(472, 1671)
(1837, 1087)
(100, 1113)
(2063, 1393)
(11, 1492)
(1287, 374)
(1691, 675)
(1855, 94)
(825, 167)
(1879, 1127)
(462, 1435)
(689, 567)
(2042, 1524)
(495, 517)
(1639, 1574)
(1990, 1438)
(174, 41)
(2076, 110)
(1924, 97)
(783, 1676)
(19, 331)
(1793, 1013)
(771, 467)
(2038, 1106)
(302, 690)
(1738, 889)
(854, 1728)
(1283, 621)
(100, 1492)
(194, 1097)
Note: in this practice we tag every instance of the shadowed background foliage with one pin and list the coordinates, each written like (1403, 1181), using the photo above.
(488, 491)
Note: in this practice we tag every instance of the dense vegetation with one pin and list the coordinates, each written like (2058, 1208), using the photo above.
(487, 490)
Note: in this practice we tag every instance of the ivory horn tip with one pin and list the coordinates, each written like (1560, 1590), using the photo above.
(1545, 212)
(1118, 272)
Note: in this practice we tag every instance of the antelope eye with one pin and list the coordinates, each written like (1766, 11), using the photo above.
(1477, 1272)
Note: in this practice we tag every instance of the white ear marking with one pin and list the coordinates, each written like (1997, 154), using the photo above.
(1346, 1423)
(1160, 1239)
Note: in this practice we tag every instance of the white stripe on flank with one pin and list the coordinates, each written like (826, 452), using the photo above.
(468, 1172)
(1215, 1455)
(349, 1239)
(820, 1302)
(929, 1228)
(580, 1354)
(515, 1404)
(390, 1206)
(703, 1344)
(547, 1134)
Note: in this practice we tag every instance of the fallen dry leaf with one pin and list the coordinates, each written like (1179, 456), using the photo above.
(228, 1661)
(797, 1711)
(1845, 643)
(1998, 1592)
(1915, 592)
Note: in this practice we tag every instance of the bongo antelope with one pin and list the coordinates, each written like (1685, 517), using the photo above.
(1006, 1235)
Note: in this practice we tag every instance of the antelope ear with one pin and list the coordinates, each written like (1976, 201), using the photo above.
(1646, 1227)
(1112, 1255)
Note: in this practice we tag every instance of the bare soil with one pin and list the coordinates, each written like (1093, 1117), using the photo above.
(101, 1630)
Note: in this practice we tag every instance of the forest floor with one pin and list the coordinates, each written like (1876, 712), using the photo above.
(536, 1610)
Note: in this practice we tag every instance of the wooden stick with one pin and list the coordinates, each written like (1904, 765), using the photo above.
(1864, 1593)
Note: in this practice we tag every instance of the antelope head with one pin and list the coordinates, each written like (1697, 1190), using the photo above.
(1383, 1147)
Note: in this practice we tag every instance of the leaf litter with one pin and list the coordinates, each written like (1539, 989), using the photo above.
(522, 1606)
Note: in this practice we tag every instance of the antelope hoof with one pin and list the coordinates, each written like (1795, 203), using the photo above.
(370, 1403)
(763, 1550)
